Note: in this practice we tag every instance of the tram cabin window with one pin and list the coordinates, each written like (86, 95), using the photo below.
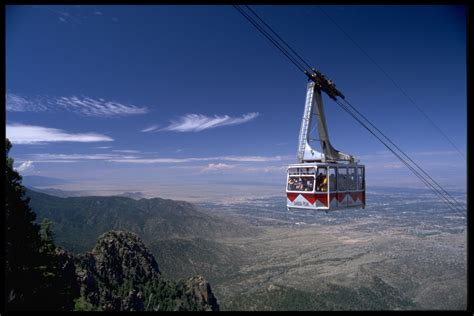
(322, 180)
(305, 184)
(332, 180)
(293, 171)
(360, 178)
(351, 179)
(341, 178)
(301, 171)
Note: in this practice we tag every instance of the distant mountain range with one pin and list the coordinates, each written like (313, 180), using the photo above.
(183, 238)
(55, 192)
(66, 193)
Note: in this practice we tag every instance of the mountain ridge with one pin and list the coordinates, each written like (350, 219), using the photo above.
(79, 221)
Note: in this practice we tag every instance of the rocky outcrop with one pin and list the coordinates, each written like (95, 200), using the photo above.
(120, 273)
(121, 256)
(199, 288)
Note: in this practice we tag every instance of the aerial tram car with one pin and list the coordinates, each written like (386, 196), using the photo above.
(330, 179)
(327, 180)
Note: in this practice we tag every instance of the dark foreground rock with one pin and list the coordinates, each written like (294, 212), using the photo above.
(121, 274)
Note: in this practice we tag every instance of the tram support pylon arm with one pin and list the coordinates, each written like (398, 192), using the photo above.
(314, 107)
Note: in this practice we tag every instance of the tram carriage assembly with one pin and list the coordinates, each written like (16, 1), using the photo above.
(330, 179)
(326, 180)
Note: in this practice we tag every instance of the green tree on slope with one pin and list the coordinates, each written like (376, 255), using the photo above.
(37, 276)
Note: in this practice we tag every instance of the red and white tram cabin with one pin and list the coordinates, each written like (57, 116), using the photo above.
(325, 186)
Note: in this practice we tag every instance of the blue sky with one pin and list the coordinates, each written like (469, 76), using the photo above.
(150, 96)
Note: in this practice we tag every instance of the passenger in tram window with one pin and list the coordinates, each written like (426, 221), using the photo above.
(299, 185)
(291, 184)
(295, 184)
(324, 184)
(321, 182)
(319, 178)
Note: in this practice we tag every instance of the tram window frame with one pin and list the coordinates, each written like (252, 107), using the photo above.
(360, 178)
(332, 180)
(319, 187)
(341, 179)
(351, 179)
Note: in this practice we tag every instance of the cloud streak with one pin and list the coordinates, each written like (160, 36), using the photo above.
(25, 166)
(84, 106)
(182, 160)
(150, 128)
(216, 167)
(76, 14)
(31, 134)
(135, 159)
(199, 122)
(16, 103)
(98, 107)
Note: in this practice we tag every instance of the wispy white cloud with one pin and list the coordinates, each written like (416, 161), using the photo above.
(111, 157)
(191, 159)
(243, 168)
(199, 122)
(150, 128)
(217, 167)
(64, 16)
(65, 157)
(76, 14)
(25, 166)
(80, 105)
(267, 169)
(31, 134)
(252, 158)
(98, 107)
(140, 159)
(126, 151)
(151, 160)
(16, 103)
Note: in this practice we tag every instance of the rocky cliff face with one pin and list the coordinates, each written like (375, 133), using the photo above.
(200, 289)
(121, 256)
(120, 273)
